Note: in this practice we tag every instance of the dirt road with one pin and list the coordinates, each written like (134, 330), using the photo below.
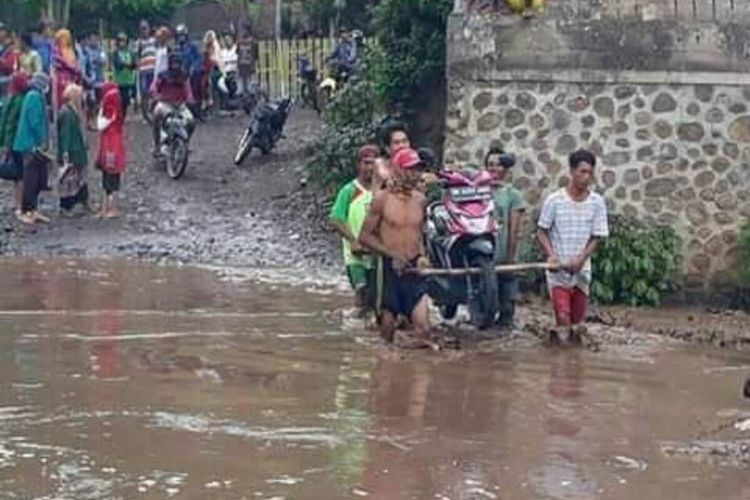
(256, 215)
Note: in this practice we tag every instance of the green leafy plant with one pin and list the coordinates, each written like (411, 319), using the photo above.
(743, 260)
(411, 34)
(405, 55)
(335, 153)
(636, 265)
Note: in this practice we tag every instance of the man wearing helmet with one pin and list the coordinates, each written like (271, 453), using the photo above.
(171, 90)
(190, 54)
(344, 55)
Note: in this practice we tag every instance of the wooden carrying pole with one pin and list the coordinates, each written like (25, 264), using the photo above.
(505, 268)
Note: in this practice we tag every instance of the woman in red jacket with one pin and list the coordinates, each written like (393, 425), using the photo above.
(111, 159)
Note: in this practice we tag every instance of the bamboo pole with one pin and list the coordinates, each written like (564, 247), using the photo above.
(503, 268)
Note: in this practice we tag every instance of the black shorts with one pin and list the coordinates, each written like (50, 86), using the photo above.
(110, 182)
(399, 294)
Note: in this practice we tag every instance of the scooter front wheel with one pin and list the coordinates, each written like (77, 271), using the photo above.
(483, 302)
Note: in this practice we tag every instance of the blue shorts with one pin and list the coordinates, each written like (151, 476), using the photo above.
(146, 79)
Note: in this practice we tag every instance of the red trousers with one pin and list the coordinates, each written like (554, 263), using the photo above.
(570, 305)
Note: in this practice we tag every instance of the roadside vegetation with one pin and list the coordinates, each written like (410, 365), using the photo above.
(637, 265)
(406, 54)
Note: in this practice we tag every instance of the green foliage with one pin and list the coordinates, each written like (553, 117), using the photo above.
(636, 265)
(406, 53)
(119, 15)
(82, 16)
(352, 14)
(743, 259)
(411, 34)
(350, 123)
(334, 155)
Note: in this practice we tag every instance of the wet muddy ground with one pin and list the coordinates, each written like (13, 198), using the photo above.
(250, 377)
(257, 215)
(126, 380)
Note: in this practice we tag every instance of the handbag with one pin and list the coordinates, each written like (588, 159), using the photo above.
(8, 169)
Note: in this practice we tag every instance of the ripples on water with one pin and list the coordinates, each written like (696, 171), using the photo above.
(121, 380)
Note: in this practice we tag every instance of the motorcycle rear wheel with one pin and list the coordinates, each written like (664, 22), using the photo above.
(177, 158)
(243, 149)
(448, 311)
(483, 302)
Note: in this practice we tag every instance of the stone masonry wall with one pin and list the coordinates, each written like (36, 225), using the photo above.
(677, 155)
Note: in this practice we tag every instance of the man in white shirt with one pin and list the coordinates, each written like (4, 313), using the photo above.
(229, 55)
(572, 222)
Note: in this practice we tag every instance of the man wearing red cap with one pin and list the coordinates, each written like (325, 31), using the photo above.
(393, 230)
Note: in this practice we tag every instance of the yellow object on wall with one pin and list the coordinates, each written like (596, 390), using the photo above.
(523, 5)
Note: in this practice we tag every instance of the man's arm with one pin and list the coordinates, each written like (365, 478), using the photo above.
(546, 220)
(577, 264)
(369, 237)
(599, 231)
(514, 233)
(546, 243)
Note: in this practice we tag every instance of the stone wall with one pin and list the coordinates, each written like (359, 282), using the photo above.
(663, 102)
(677, 155)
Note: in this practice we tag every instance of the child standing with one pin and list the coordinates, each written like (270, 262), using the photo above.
(111, 159)
(72, 151)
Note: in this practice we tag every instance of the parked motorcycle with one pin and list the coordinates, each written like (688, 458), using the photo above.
(460, 233)
(266, 128)
(175, 142)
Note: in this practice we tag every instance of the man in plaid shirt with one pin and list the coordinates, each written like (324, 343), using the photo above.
(572, 222)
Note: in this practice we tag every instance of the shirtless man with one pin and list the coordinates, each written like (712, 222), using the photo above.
(393, 230)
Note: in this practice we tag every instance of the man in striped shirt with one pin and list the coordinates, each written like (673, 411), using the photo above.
(572, 222)
(146, 54)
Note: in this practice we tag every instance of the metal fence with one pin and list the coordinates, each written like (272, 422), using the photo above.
(277, 62)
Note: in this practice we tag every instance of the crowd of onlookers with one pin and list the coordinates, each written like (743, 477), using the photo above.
(84, 83)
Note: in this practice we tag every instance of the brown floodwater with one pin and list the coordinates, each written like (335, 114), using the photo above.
(125, 380)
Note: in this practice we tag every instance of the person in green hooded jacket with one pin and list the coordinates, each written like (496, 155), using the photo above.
(32, 136)
(11, 168)
(72, 152)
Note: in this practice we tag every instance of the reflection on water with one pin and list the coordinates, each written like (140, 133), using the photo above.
(129, 381)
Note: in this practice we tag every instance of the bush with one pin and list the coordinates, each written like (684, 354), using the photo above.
(743, 259)
(411, 34)
(335, 154)
(636, 265)
(350, 123)
(407, 51)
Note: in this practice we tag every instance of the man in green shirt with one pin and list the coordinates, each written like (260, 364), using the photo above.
(509, 211)
(347, 217)
(125, 64)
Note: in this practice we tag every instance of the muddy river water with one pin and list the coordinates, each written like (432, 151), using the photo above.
(123, 380)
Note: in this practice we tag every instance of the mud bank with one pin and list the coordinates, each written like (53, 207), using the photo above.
(258, 215)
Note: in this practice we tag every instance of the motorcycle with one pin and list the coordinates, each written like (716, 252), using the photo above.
(338, 76)
(307, 76)
(266, 128)
(174, 143)
(460, 233)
